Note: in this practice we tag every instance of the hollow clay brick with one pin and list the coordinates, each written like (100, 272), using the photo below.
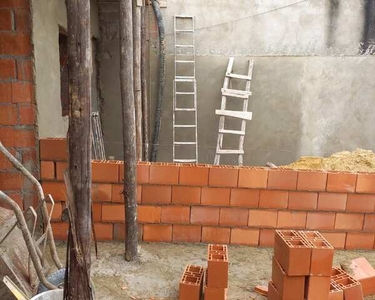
(211, 293)
(157, 233)
(336, 239)
(317, 287)
(273, 294)
(292, 252)
(53, 149)
(204, 215)
(156, 194)
(254, 178)
(191, 283)
(233, 217)
(267, 238)
(262, 218)
(359, 240)
(320, 220)
(311, 181)
(223, 176)
(164, 173)
(303, 200)
(148, 214)
(362, 271)
(332, 201)
(175, 214)
(291, 219)
(360, 203)
(186, 195)
(279, 179)
(215, 196)
(349, 221)
(273, 199)
(244, 236)
(187, 233)
(217, 267)
(194, 175)
(335, 292)
(47, 170)
(341, 182)
(105, 171)
(288, 287)
(244, 198)
(365, 183)
(215, 235)
(352, 288)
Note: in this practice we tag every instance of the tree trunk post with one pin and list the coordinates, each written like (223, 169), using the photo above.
(77, 285)
(145, 110)
(129, 135)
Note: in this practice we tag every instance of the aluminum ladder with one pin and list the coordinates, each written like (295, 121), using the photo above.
(243, 115)
(184, 92)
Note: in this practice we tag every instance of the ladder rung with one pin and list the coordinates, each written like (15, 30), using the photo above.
(185, 143)
(223, 151)
(184, 78)
(185, 61)
(238, 76)
(184, 109)
(185, 160)
(184, 16)
(235, 93)
(238, 132)
(185, 93)
(235, 114)
(185, 126)
(185, 30)
(184, 46)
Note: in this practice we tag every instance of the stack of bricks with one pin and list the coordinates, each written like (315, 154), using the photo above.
(191, 283)
(216, 282)
(301, 267)
(343, 286)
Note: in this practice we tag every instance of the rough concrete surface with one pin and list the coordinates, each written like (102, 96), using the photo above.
(157, 273)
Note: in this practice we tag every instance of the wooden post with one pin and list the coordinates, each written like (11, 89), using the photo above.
(137, 76)
(77, 283)
(129, 136)
(145, 110)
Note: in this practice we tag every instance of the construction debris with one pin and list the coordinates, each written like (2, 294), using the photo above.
(261, 290)
(359, 160)
(362, 271)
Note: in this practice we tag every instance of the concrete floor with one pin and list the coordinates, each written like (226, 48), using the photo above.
(156, 274)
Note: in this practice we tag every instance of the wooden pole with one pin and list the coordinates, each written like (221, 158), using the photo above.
(137, 76)
(77, 283)
(129, 136)
(145, 110)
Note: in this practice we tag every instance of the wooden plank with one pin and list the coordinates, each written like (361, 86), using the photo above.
(235, 93)
(246, 115)
(225, 151)
(238, 76)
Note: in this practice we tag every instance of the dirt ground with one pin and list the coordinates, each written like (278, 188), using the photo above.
(156, 274)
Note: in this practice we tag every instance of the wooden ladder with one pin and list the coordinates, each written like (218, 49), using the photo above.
(243, 115)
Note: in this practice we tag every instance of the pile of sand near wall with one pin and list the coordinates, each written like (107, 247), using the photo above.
(359, 160)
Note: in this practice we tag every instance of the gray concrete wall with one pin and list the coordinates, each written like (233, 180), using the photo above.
(48, 15)
(312, 82)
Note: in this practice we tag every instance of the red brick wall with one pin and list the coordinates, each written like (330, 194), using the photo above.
(17, 102)
(231, 205)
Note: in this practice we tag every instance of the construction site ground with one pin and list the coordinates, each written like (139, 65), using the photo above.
(156, 274)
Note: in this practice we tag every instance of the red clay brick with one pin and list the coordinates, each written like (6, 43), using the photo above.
(317, 287)
(273, 199)
(360, 203)
(57, 210)
(216, 235)
(101, 192)
(336, 239)
(5, 20)
(369, 222)
(117, 193)
(186, 233)
(311, 181)
(5, 164)
(17, 44)
(61, 166)
(267, 238)
(157, 233)
(149, 214)
(21, 138)
(332, 201)
(103, 231)
(244, 197)
(5, 92)
(223, 176)
(341, 182)
(97, 212)
(113, 213)
(22, 20)
(291, 219)
(47, 170)
(105, 171)
(27, 115)
(22, 92)
(53, 149)
(16, 197)
(242, 236)
(143, 173)
(365, 183)
(194, 175)
(175, 214)
(8, 115)
(215, 196)
(279, 179)
(60, 230)
(233, 217)
(119, 232)
(349, 221)
(204, 215)
(262, 218)
(359, 240)
(253, 178)
(164, 174)
(7, 66)
(320, 220)
(156, 194)
(303, 200)
(15, 3)
(25, 71)
(29, 159)
(11, 181)
(186, 195)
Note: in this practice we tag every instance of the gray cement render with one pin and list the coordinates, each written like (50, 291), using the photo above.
(48, 15)
(312, 86)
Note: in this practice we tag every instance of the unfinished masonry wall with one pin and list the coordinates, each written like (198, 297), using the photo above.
(312, 85)
(230, 205)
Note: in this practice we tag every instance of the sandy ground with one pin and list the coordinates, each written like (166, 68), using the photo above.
(157, 272)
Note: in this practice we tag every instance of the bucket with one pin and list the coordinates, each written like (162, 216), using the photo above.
(50, 295)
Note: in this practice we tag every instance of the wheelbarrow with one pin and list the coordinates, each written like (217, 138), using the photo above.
(23, 266)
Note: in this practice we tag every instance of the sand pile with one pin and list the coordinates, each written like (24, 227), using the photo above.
(359, 160)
